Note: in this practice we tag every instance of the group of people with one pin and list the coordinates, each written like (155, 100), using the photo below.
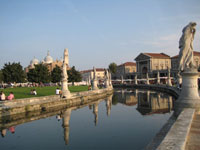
(9, 97)
(33, 92)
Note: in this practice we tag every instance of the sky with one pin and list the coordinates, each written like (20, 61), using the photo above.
(96, 32)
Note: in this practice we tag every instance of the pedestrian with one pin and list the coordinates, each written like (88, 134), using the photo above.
(2, 96)
(10, 96)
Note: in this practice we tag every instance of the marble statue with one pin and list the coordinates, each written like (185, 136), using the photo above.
(65, 90)
(186, 46)
(94, 80)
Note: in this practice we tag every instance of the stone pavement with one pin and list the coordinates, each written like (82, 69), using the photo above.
(193, 141)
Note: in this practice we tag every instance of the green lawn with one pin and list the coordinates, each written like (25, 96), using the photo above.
(24, 92)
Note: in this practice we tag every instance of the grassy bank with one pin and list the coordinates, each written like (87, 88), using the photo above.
(24, 92)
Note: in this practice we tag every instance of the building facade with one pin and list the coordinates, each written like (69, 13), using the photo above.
(126, 70)
(89, 74)
(151, 63)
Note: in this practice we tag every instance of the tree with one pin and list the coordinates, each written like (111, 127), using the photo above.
(13, 73)
(39, 74)
(56, 74)
(113, 67)
(1, 76)
(74, 75)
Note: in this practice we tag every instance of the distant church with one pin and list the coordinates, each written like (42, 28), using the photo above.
(48, 61)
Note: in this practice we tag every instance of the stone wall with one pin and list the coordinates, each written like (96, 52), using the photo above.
(26, 105)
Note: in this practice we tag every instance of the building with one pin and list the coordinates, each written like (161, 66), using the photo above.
(89, 74)
(175, 62)
(125, 70)
(151, 63)
(48, 61)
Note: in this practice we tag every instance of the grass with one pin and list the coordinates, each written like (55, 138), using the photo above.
(24, 92)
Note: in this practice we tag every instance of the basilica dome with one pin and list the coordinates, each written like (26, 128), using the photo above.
(34, 61)
(48, 59)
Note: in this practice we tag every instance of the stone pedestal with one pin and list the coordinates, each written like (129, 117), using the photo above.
(147, 79)
(136, 79)
(95, 84)
(107, 85)
(189, 97)
(158, 77)
(65, 91)
(169, 81)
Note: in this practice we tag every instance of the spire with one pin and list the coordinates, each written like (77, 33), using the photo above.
(48, 54)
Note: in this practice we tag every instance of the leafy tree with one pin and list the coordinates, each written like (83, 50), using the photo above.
(1, 76)
(74, 75)
(39, 74)
(113, 67)
(13, 73)
(56, 74)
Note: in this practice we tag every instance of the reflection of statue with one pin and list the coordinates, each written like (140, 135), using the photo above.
(95, 111)
(108, 104)
(186, 46)
(66, 118)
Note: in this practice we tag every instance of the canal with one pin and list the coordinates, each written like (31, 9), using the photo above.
(129, 119)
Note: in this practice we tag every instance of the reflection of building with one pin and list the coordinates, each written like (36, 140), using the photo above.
(151, 103)
(88, 74)
(128, 98)
(48, 61)
(152, 63)
(175, 62)
(126, 70)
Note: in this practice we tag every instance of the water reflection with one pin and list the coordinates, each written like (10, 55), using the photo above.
(148, 102)
(145, 102)
(66, 118)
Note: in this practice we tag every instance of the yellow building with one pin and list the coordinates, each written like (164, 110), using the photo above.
(175, 62)
(151, 63)
(89, 74)
(125, 70)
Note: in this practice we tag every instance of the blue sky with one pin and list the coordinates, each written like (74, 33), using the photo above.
(96, 32)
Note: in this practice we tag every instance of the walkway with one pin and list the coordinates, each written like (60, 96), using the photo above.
(193, 141)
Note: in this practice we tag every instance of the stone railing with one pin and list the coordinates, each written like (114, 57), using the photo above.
(157, 87)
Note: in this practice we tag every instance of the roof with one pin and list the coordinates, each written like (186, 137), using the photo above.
(143, 56)
(194, 52)
(157, 55)
(97, 69)
(128, 64)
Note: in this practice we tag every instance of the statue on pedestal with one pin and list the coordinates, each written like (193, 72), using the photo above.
(189, 96)
(94, 80)
(107, 84)
(65, 90)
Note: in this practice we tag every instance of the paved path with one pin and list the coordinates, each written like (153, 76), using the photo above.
(193, 141)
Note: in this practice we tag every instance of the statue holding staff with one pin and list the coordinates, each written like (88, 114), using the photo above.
(186, 46)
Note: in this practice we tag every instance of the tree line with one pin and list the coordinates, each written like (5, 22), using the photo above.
(13, 72)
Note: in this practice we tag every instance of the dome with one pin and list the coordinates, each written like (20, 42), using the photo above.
(48, 59)
(34, 61)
